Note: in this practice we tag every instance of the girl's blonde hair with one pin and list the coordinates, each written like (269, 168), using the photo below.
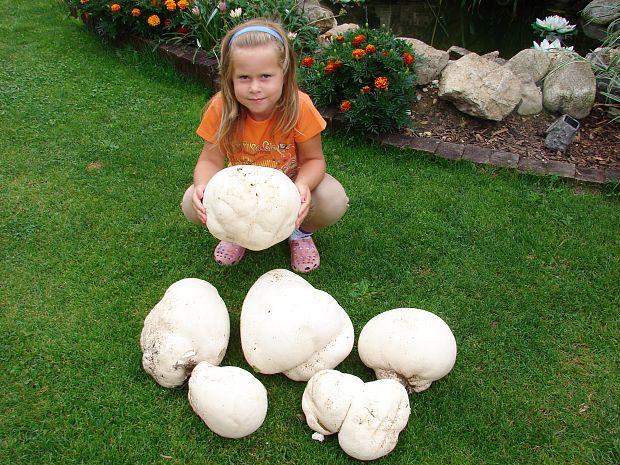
(233, 112)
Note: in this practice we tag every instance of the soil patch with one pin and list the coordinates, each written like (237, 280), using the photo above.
(596, 144)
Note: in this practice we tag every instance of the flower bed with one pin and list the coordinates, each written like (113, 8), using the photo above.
(368, 74)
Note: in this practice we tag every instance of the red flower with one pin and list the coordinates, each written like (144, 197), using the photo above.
(365, 89)
(370, 48)
(330, 68)
(167, 22)
(345, 106)
(183, 30)
(386, 54)
(307, 62)
(382, 83)
(358, 53)
(408, 58)
(339, 38)
(357, 40)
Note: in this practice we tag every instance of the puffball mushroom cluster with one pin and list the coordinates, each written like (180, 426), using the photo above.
(288, 326)
(187, 333)
(368, 417)
(253, 206)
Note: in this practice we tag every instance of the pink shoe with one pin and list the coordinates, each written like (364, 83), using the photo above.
(228, 254)
(304, 255)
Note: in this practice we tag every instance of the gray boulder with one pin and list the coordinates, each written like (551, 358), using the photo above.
(530, 61)
(570, 88)
(601, 12)
(321, 16)
(480, 87)
(531, 96)
(431, 62)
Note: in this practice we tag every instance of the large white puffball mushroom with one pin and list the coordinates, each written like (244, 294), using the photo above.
(230, 400)
(252, 206)
(188, 325)
(368, 417)
(327, 398)
(413, 346)
(288, 326)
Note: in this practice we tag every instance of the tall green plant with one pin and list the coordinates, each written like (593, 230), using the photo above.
(610, 73)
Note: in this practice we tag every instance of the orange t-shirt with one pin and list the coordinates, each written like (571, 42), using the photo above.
(257, 145)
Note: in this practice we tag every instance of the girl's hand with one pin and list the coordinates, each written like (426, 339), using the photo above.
(201, 212)
(305, 194)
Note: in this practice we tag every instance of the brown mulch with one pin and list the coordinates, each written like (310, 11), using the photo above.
(596, 144)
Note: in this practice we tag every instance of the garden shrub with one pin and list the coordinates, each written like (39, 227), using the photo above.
(368, 74)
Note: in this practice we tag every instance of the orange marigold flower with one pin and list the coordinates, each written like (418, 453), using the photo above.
(183, 4)
(338, 64)
(153, 20)
(115, 7)
(307, 62)
(408, 58)
(358, 53)
(330, 68)
(357, 40)
(345, 106)
(170, 5)
(370, 48)
(382, 83)
(385, 54)
(365, 89)
(83, 1)
(340, 38)
(135, 12)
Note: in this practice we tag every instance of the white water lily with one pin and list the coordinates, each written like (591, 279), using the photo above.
(236, 13)
(545, 45)
(556, 24)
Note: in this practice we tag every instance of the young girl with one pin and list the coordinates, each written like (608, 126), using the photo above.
(260, 117)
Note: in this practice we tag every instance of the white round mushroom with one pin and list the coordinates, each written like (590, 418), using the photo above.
(413, 346)
(230, 400)
(288, 326)
(252, 206)
(368, 417)
(327, 398)
(188, 325)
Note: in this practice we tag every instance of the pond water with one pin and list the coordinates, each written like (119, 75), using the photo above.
(492, 25)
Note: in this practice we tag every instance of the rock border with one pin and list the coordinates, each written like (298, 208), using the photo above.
(197, 65)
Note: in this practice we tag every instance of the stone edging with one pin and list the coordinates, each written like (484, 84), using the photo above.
(200, 67)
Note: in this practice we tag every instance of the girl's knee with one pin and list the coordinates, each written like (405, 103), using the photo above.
(186, 206)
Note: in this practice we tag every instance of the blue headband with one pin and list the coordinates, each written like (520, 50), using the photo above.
(267, 30)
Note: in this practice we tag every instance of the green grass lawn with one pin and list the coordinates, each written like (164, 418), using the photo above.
(96, 148)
